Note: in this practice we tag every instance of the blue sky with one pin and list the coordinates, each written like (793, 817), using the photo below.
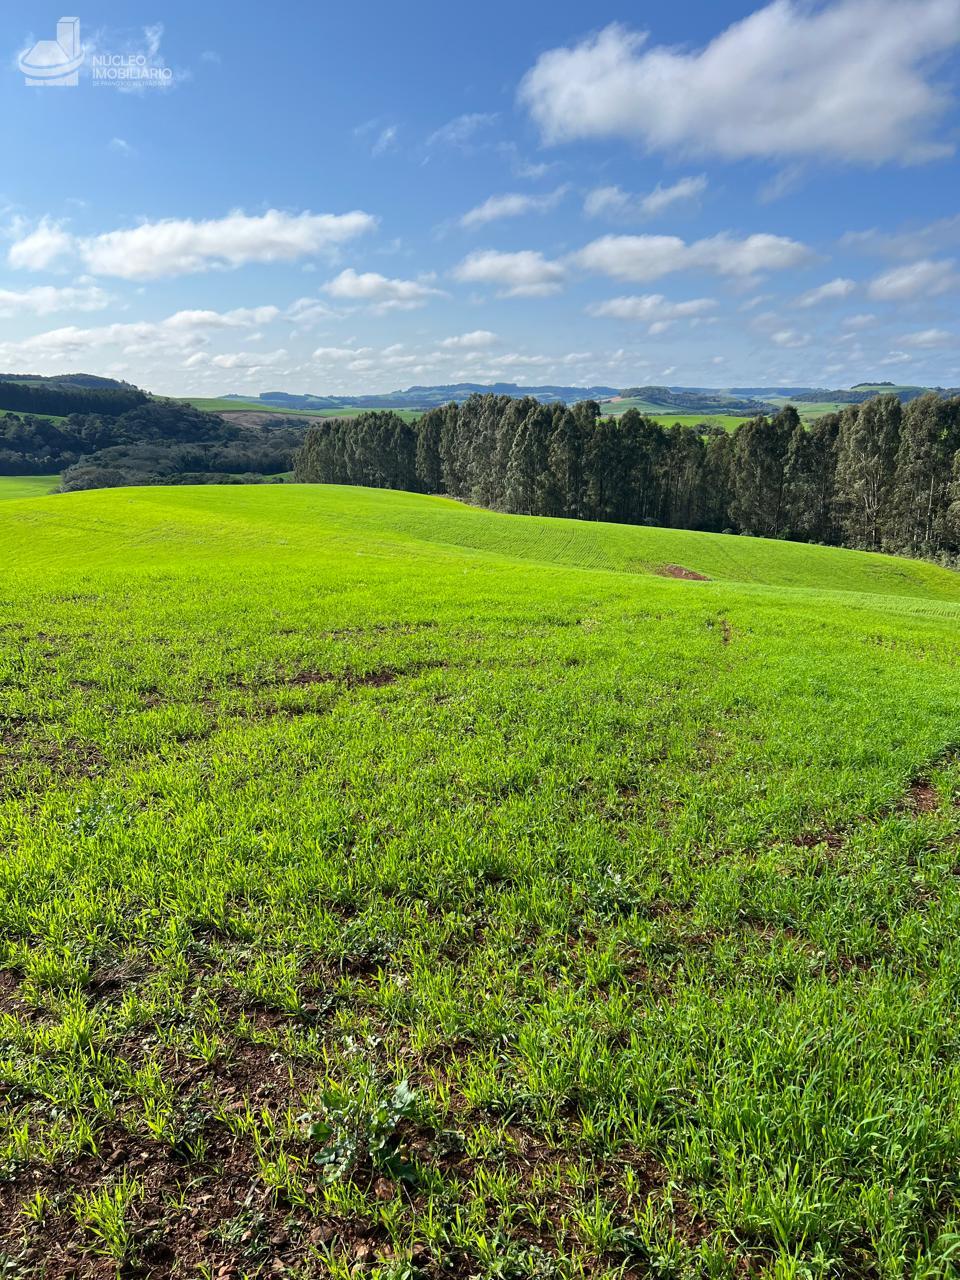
(360, 198)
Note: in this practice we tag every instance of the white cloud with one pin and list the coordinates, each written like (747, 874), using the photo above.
(642, 258)
(41, 248)
(45, 300)
(380, 292)
(470, 341)
(386, 140)
(781, 184)
(609, 201)
(649, 307)
(529, 169)
(511, 205)
(183, 330)
(847, 81)
(327, 354)
(249, 359)
(524, 274)
(177, 246)
(931, 338)
(240, 318)
(462, 129)
(916, 242)
(122, 147)
(758, 300)
(307, 311)
(861, 321)
(832, 291)
(614, 202)
(925, 278)
(790, 338)
(662, 197)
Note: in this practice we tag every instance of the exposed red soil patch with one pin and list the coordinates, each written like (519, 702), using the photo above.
(678, 571)
(73, 759)
(810, 840)
(376, 679)
(922, 797)
(305, 678)
(371, 679)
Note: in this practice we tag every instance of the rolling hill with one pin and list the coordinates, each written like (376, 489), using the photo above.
(192, 521)
(469, 894)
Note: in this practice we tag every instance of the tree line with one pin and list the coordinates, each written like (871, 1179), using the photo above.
(28, 397)
(878, 475)
(156, 442)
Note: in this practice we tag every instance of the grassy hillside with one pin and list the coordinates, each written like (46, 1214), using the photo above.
(27, 486)
(398, 889)
(174, 522)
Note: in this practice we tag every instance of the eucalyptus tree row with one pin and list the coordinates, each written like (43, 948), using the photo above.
(877, 475)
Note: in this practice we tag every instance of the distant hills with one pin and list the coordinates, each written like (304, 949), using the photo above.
(428, 397)
(654, 399)
(21, 392)
(695, 400)
(855, 395)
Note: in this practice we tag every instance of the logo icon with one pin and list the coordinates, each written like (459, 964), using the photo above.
(55, 62)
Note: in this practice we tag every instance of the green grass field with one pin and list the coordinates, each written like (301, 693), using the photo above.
(27, 486)
(55, 418)
(219, 405)
(727, 421)
(809, 410)
(396, 889)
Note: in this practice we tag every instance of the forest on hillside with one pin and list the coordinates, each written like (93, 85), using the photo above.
(63, 398)
(879, 475)
(153, 442)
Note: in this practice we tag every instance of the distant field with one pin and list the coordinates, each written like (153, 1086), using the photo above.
(27, 486)
(214, 405)
(809, 410)
(28, 413)
(728, 421)
(816, 409)
(622, 404)
(408, 415)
